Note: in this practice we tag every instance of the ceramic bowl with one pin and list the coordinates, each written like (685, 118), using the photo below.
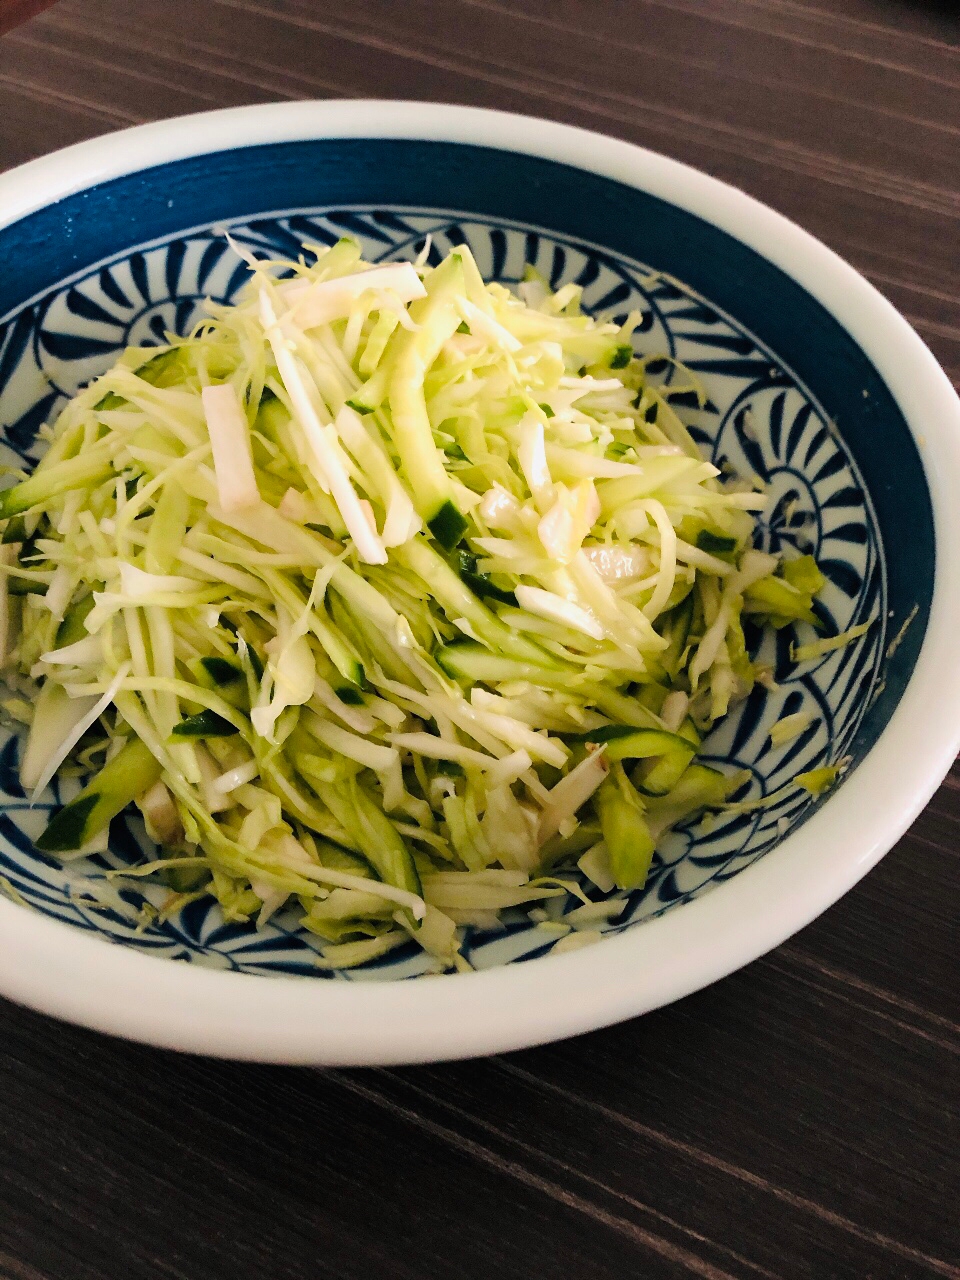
(816, 385)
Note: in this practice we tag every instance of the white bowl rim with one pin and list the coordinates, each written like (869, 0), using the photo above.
(63, 971)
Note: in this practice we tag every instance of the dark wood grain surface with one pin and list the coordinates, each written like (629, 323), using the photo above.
(800, 1119)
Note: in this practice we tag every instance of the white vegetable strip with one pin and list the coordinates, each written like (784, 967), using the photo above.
(230, 438)
(137, 584)
(702, 559)
(329, 468)
(215, 569)
(304, 865)
(570, 793)
(234, 778)
(500, 772)
(402, 521)
(484, 326)
(586, 385)
(753, 566)
(595, 865)
(575, 941)
(565, 525)
(548, 605)
(515, 734)
(571, 463)
(371, 754)
(215, 798)
(55, 717)
(709, 647)
(76, 733)
(532, 456)
(539, 709)
(482, 896)
(356, 718)
(316, 304)
(499, 508)
(508, 770)
(293, 673)
(81, 653)
(59, 591)
(347, 955)
(160, 813)
(817, 648)
(293, 506)
(619, 617)
(343, 880)
(674, 709)
(615, 562)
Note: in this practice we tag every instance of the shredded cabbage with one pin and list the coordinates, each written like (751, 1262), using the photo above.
(387, 595)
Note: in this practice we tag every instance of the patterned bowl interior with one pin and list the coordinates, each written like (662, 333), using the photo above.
(106, 276)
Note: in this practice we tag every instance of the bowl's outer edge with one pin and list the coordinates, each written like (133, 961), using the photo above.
(54, 968)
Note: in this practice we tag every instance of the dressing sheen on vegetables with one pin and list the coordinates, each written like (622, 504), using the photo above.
(392, 598)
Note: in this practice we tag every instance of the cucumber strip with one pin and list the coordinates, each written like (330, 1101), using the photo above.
(15, 531)
(338, 651)
(484, 589)
(474, 664)
(221, 672)
(163, 369)
(205, 724)
(627, 743)
(168, 529)
(225, 677)
(421, 460)
(715, 544)
(50, 482)
(699, 788)
(665, 773)
(672, 753)
(73, 627)
(133, 770)
(630, 845)
(349, 694)
(458, 601)
(465, 564)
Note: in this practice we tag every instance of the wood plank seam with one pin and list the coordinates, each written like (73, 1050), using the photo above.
(937, 1265)
(637, 1235)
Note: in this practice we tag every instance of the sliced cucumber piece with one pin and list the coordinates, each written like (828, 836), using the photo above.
(630, 845)
(132, 771)
(437, 318)
(50, 482)
(73, 628)
(670, 752)
(458, 601)
(473, 664)
(205, 724)
(225, 677)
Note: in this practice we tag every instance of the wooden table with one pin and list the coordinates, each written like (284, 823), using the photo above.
(799, 1119)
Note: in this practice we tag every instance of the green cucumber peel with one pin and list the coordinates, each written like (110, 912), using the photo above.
(133, 770)
(205, 724)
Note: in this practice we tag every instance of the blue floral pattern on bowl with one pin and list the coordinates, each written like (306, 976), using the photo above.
(760, 420)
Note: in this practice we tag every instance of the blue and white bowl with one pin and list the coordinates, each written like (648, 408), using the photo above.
(816, 385)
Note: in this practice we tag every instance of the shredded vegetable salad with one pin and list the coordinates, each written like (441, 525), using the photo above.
(390, 597)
